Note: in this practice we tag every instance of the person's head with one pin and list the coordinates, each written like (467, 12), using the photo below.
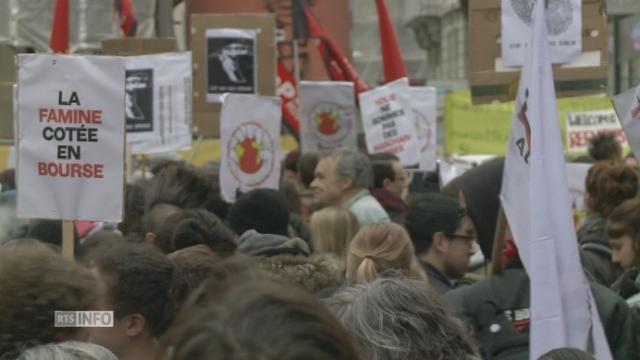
(155, 218)
(567, 354)
(380, 247)
(68, 350)
(307, 166)
(133, 219)
(193, 265)
(604, 146)
(477, 191)
(339, 174)
(435, 227)
(139, 280)
(401, 319)
(608, 184)
(96, 243)
(388, 173)
(332, 229)
(290, 165)
(191, 227)
(289, 189)
(260, 320)
(263, 210)
(631, 161)
(36, 281)
(623, 229)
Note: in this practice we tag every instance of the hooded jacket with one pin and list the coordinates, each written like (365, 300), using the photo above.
(256, 244)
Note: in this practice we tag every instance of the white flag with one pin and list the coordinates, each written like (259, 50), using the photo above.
(537, 205)
(250, 134)
(423, 101)
(627, 107)
(389, 122)
(328, 116)
(158, 102)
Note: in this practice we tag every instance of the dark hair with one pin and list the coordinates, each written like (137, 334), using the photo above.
(291, 161)
(609, 183)
(132, 221)
(624, 219)
(192, 227)
(381, 164)
(604, 146)
(261, 320)
(47, 231)
(8, 179)
(36, 281)
(96, 243)
(307, 167)
(139, 279)
(156, 216)
(567, 354)
(263, 210)
(289, 190)
(193, 265)
(429, 214)
(185, 187)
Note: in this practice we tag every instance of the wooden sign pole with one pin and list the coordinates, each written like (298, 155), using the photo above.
(68, 243)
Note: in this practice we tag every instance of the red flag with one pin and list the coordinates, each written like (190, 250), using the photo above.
(394, 67)
(335, 60)
(127, 13)
(59, 42)
(287, 89)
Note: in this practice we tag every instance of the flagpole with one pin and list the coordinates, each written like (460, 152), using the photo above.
(68, 243)
(296, 62)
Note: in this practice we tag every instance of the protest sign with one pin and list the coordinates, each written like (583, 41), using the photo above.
(535, 199)
(250, 128)
(423, 101)
(564, 30)
(328, 115)
(231, 62)
(576, 176)
(627, 107)
(70, 137)
(583, 125)
(389, 121)
(158, 102)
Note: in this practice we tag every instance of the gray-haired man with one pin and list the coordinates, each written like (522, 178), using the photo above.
(342, 178)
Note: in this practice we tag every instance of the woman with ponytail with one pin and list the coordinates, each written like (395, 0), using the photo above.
(379, 247)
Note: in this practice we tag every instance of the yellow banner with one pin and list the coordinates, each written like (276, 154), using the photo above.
(484, 129)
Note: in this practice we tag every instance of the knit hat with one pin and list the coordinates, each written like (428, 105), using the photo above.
(256, 244)
(263, 210)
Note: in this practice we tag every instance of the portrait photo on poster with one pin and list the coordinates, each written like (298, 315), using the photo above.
(231, 62)
(139, 100)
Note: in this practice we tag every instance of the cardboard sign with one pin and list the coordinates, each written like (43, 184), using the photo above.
(231, 62)
(328, 115)
(70, 137)
(206, 114)
(627, 107)
(492, 81)
(583, 125)
(389, 121)
(564, 26)
(423, 101)
(250, 128)
(158, 102)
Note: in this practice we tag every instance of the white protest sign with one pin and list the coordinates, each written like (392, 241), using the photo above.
(250, 130)
(71, 137)
(328, 116)
(423, 101)
(158, 102)
(231, 62)
(389, 121)
(627, 107)
(583, 125)
(564, 30)
(576, 176)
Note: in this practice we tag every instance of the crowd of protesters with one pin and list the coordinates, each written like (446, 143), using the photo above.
(353, 257)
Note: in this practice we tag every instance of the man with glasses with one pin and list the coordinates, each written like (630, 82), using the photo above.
(443, 236)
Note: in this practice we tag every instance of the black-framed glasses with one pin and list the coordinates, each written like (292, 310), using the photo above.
(460, 236)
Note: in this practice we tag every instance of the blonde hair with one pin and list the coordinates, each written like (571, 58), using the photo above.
(332, 229)
(379, 247)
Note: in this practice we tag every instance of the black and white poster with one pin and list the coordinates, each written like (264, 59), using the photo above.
(139, 100)
(231, 62)
(564, 30)
(158, 102)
